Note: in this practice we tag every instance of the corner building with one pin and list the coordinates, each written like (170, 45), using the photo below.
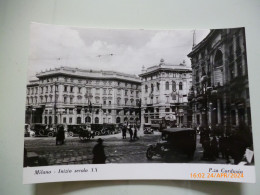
(220, 90)
(83, 96)
(165, 89)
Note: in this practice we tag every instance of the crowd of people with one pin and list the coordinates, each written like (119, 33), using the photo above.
(131, 129)
(227, 146)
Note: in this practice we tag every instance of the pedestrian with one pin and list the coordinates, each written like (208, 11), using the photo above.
(60, 137)
(222, 146)
(135, 133)
(99, 156)
(214, 147)
(124, 131)
(130, 132)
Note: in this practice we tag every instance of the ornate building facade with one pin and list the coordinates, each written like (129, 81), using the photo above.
(220, 92)
(83, 96)
(165, 89)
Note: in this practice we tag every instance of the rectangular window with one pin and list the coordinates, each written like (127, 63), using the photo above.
(64, 120)
(65, 88)
(125, 92)
(70, 120)
(71, 89)
(71, 111)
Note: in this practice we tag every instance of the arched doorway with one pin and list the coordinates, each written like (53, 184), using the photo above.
(78, 120)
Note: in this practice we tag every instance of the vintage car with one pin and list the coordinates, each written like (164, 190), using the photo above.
(180, 140)
(148, 129)
(73, 130)
(103, 129)
(42, 130)
(86, 132)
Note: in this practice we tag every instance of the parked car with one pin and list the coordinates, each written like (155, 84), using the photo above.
(148, 130)
(86, 132)
(103, 129)
(43, 130)
(73, 130)
(181, 140)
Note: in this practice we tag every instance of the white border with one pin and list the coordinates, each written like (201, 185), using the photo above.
(162, 171)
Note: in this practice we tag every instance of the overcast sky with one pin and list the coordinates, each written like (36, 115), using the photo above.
(120, 50)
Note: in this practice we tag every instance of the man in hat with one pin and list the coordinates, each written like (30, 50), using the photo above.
(99, 156)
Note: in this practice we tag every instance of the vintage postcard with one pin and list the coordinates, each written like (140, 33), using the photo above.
(113, 104)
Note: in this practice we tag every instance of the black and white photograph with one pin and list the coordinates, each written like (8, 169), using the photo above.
(119, 96)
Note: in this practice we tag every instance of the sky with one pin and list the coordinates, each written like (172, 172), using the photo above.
(53, 46)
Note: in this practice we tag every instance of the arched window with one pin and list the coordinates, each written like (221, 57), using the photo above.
(173, 86)
(50, 120)
(167, 85)
(180, 86)
(78, 120)
(146, 88)
(118, 120)
(125, 119)
(96, 120)
(218, 61)
(88, 119)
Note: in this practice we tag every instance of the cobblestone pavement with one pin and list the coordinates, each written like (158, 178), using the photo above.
(117, 150)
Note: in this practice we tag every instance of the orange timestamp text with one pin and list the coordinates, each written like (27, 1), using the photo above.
(216, 175)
